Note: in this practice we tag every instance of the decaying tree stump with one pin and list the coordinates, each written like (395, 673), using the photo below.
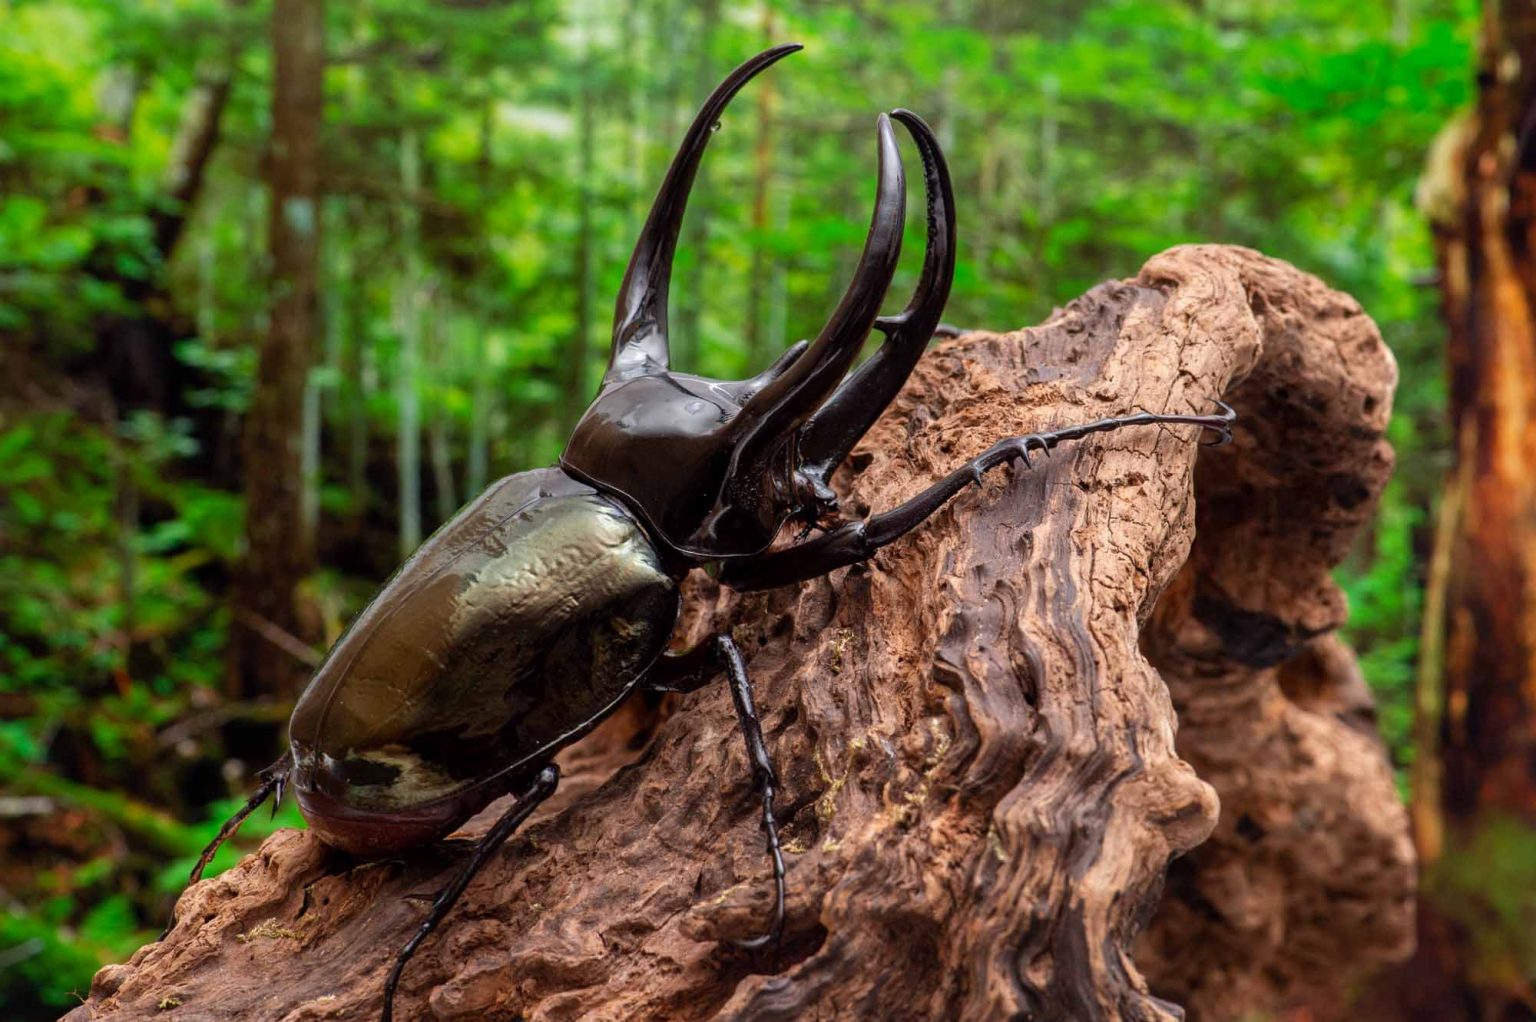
(981, 790)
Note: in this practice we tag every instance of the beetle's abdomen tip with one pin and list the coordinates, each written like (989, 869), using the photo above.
(372, 834)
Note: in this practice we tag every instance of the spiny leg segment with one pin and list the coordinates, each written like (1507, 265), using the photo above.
(692, 670)
(273, 780)
(857, 541)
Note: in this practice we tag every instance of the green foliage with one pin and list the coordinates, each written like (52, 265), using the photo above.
(43, 968)
(72, 569)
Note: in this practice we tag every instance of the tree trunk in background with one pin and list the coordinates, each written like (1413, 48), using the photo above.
(196, 137)
(981, 793)
(574, 397)
(408, 320)
(635, 114)
(117, 97)
(1477, 956)
(277, 557)
(481, 298)
(358, 384)
(1489, 733)
(440, 349)
(479, 406)
(334, 307)
(758, 342)
(135, 350)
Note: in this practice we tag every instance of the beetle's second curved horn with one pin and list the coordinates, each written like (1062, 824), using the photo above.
(847, 415)
(640, 315)
(788, 401)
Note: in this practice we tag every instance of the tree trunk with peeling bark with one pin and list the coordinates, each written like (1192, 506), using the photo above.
(981, 790)
(1475, 770)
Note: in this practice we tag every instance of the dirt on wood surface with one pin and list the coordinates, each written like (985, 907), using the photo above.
(981, 792)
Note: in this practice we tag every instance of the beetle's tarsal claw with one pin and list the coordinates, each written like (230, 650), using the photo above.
(1229, 415)
(272, 778)
(1221, 425)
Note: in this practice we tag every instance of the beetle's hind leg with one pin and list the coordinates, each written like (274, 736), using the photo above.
(273, 780)
(542, 787)
(686, 672)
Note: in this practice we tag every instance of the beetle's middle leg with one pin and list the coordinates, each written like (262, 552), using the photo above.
(686, 672)
(542, 787)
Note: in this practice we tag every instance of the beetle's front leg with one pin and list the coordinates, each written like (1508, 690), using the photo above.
(692, 670)
(857, 541)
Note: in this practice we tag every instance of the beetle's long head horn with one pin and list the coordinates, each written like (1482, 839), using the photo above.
(640, 316)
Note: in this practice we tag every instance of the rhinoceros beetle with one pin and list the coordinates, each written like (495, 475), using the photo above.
(529, 617)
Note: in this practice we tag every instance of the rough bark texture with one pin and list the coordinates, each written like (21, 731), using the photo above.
(981, 790)
(1308, 880)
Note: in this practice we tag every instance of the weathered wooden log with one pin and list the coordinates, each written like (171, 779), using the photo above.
(981, 791)
(1308, 881)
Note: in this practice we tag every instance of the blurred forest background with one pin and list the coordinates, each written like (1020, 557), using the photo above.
(281, 286)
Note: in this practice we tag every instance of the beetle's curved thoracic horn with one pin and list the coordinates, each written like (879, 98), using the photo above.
(640, 317)
(847, 414)
(787, 402)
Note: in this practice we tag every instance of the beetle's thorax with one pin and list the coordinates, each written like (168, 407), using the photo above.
(667, 446)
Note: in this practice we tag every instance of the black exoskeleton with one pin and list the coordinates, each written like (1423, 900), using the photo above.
(526, 619)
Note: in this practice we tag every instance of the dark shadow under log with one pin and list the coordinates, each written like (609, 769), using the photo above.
(982, 793)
